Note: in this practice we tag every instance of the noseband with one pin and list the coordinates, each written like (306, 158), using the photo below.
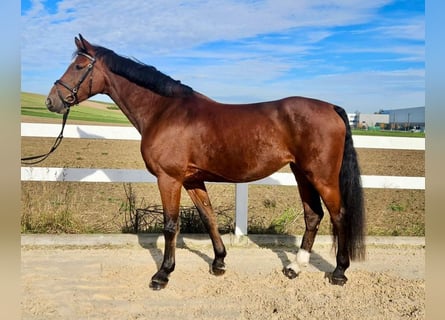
(72, 99)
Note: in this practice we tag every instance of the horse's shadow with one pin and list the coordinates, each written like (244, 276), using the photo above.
(154, 244)
(285, 245)
(281, 245)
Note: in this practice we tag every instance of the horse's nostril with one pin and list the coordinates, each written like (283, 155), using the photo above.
(48, 102)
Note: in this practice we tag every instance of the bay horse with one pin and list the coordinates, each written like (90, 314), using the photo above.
(188, 138)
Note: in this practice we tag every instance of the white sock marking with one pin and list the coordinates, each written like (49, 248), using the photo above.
(294, 266)
(303, 257)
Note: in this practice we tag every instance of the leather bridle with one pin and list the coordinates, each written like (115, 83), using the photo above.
(72, 98)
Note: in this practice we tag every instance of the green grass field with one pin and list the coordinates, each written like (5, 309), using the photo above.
(395, 133)
(34, 105)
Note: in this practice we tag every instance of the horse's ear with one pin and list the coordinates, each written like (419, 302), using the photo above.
(81, 43)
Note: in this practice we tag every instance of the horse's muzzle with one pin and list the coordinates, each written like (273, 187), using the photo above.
(49, 103)
(53, 107)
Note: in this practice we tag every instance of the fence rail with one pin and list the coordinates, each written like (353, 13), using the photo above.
(130, 133)
(241, 189)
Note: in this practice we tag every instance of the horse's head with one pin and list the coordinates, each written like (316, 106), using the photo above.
(76, 84)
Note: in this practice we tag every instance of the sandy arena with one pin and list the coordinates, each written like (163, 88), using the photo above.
(82, 278)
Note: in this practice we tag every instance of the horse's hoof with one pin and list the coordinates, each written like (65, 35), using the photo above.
(290, 273)
(218, 270)
(338, 280)
(156, 285)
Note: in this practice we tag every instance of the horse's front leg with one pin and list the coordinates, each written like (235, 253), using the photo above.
(170, 190)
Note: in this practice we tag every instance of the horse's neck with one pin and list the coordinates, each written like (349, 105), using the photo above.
(138, 104)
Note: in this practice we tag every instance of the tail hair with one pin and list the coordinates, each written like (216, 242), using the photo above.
(352, 195)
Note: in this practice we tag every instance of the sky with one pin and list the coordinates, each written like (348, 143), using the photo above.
(362, 55)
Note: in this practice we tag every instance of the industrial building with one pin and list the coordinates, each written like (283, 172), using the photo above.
(406, 118)
(390, 119)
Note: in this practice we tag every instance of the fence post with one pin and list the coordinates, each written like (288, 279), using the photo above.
(241, 206)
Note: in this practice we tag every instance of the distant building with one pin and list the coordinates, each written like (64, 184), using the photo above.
(353, 119)
(391, 119)
(372, 120)
(366, 120)
(406, 118)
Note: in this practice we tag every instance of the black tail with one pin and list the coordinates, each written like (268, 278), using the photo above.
(352, 195)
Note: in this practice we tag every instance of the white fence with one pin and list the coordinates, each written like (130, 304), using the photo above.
(241, 197)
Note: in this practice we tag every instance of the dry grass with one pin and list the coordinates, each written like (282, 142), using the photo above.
(73, 207)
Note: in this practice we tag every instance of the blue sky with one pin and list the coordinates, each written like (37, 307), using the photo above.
(362, 55)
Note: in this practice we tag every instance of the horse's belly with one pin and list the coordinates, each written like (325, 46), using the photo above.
(239, 171)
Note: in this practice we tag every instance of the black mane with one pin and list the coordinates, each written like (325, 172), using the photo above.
(143, 75)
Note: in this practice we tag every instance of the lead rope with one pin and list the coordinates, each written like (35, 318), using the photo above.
(37, 159)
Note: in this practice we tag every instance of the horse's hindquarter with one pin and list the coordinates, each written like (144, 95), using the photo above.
(248, 142)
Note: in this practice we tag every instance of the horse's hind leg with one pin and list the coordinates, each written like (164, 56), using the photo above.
(332, 199)
(313, 213)
(198, 193)
(329, 191)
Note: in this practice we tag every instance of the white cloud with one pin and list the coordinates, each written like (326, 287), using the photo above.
(412, 29)
(171, 25)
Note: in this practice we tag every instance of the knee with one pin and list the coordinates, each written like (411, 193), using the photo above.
(170, 227)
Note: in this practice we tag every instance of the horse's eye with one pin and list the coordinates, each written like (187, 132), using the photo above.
(78, 67)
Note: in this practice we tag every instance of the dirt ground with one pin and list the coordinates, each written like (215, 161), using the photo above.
(111, 282)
